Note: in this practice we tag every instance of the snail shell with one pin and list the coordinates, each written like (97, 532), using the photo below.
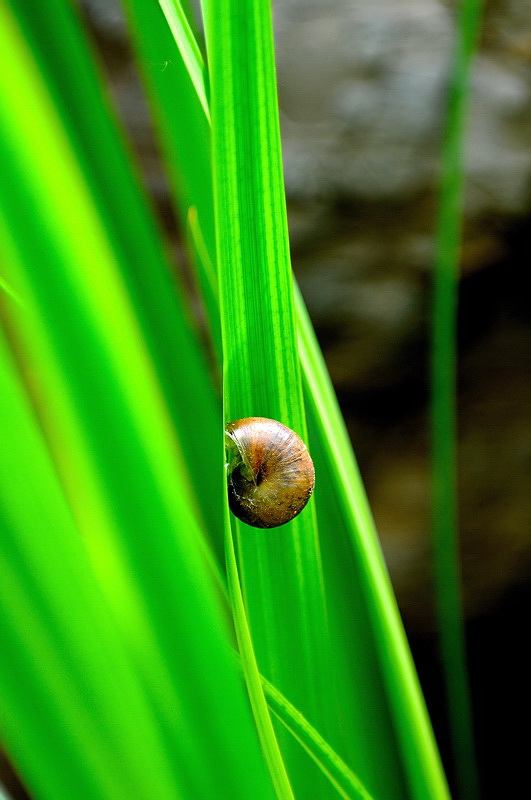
(271, 474)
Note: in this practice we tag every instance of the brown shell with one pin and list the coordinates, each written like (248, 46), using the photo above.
(271, 474)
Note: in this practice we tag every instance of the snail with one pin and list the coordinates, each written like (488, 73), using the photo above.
(271, 474)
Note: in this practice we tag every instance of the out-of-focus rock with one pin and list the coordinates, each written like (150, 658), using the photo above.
(362, 90)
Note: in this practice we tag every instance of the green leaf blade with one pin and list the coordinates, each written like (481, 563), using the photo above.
(280, 568)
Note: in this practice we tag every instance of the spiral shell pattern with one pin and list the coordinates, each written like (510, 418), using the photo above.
(271, 474)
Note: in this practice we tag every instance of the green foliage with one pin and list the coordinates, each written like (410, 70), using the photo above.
(118, 606)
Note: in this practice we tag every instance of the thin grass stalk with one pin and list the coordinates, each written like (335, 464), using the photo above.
(346, 783)
(178, 21)
(270, 748)
(443, 407)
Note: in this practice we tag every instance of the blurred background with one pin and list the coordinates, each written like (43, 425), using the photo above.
(362, 91)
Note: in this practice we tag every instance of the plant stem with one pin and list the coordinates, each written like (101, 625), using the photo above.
(443, 410)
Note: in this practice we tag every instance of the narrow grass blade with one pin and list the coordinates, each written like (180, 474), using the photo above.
(262, 718)
(183, 129)
(443, 412)
(185, 39)
(10, 292)
(346, 783)
(409, 718)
